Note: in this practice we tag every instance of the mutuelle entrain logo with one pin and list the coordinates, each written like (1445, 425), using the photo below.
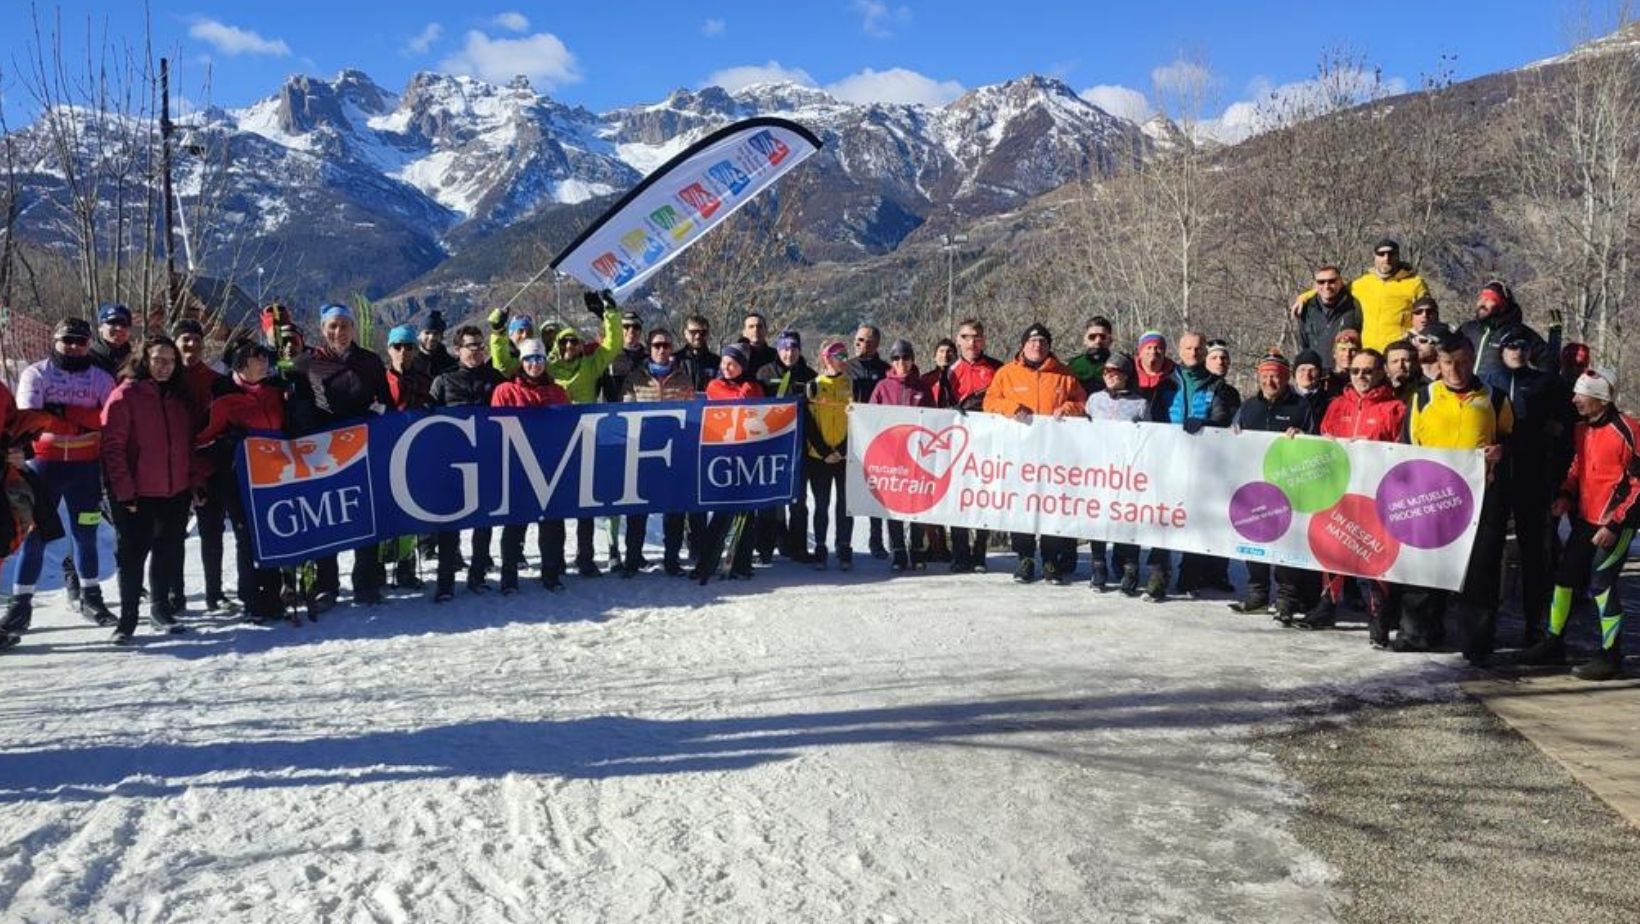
(908, 466)
(311, 494)
(746, 453)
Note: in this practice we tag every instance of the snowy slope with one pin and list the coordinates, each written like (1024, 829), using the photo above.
(803, 747)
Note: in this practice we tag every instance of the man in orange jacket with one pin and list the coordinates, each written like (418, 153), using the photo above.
(1036, 382)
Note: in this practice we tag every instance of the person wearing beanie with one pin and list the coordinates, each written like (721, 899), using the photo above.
(1310, 380)
(1116, 400)
(825, 436)
(1276, 408)
(248, 399)
(970, 378)
(507, 331)
(1089, 365)
(733, 383)
(1331, 309)
(65, 469)
(1344, 347)
(778, 527)
(1385, 294)
(661, 377)
(1498, 318)
(1153, 373)
(408, 378)
(1196, 398)
(430, 357)
(1214, 570)
(1459, 411)
(533, 386)
(111, 347)
(579, 368)
(904, 387)
(333, 383)
(210, 516)
(1532, 471)
(1574, 358)
(1037, 384)
(471, 383)
(1599, 497)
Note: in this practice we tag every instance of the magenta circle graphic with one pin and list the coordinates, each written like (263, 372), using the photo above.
(1424, 504)
(1260, 512)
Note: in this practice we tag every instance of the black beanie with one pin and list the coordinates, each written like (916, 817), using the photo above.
(1036, 330)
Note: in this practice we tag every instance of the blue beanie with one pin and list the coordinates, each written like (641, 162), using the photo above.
(520, 322)
(335, 311)
(404, 333)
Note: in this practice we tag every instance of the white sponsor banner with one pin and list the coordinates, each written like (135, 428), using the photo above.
(682, 200)
(1381, 510)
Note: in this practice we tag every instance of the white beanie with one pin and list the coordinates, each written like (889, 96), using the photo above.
(531, 347)
(1600, 384)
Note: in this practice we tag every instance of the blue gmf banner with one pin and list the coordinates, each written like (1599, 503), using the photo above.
(418, 472)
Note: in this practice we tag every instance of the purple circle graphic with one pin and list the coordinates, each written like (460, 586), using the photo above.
(1424, 504)
(1260, 512)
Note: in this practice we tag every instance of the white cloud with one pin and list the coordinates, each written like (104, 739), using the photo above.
(1272, 106)
(423, 42)
(231, 40)
(542, 58)
(1182, 77)
(713, 27)
(512, 21)
(1122, 102)
(894, 85)
(739, 78)
(877, 18)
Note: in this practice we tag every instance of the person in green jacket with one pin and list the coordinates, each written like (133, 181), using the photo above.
(1089, 365)
(577, 371)
(506, 333)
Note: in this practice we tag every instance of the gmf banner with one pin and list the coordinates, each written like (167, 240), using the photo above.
(417, 472)
(1380, 510)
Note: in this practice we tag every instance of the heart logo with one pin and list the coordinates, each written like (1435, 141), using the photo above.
(908, 466)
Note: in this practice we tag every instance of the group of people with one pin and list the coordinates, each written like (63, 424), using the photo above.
(147, 436)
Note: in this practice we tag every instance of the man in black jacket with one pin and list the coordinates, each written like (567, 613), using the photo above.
(112, 345)
(331, 384)
(865, 370)
(470, 383)
(697, 354)
(431, 356)
(754, 330)
(1498, 318)
(1330, 310)
(778, 526)
(1276, 409)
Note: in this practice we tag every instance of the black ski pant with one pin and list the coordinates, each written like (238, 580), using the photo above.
(637, 526)
(717, 533)
(1121, 554)
(449, 555)
(826, 481)
(1423, 609)
(1294, 587)
(968, 546)
(156, 527)
(1530, 497)
(210, 518)
(1057, 551)
(367, 576)
(256, 588)
(897, 538)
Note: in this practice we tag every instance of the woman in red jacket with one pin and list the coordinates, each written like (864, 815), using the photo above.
(533, 386)
(905, 387)
(734, 383)
(148, 459)
(246, 401)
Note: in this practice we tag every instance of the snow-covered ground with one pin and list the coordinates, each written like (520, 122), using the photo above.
(802, 747)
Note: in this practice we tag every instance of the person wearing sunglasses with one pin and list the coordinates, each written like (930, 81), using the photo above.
(1117, 400)
(532, 387)
(1195, 398)
(1368, 410)
(1428, 343)
(611, 387)
(111, 346)
(471, 383)
(410, 380)
(578, 369)
(867, 368)
(1331, 309)
(696, 354)
(1425, 313)
(66, 469)
(660, 377)
(970, 376)
(211, 513)
(1385, 293)
(825, 435)
(1089, 365)
(779, 527)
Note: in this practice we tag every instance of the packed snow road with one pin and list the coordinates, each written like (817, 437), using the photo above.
(805, 746)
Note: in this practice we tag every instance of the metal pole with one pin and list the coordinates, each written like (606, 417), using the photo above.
(950, 265)
(165, 129)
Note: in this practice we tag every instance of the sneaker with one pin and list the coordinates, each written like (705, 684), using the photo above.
(1380, 644)
(1256, 602)
(1099, 577)
(164, 622)
(19, 614)
(1607, 665)
(1284, 612)
(217, 604)
(1130, 580)
(1156, 588)
(1025, 573)
(900, 562)
(71, 580)
(1549, 650)
(121, 637)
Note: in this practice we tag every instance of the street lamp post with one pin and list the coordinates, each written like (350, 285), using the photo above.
(949, 243)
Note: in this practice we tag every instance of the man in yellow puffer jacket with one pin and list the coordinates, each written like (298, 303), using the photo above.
(826, 433)
(1385, 293)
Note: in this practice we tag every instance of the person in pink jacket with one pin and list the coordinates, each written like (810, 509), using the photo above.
(148, 428)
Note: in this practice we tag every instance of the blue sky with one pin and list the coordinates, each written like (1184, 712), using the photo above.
(603, 55)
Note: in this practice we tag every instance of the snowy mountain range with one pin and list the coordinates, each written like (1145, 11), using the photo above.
(367, 189)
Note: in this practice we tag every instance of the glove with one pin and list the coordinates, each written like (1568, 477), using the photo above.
(1194, 425)
(593, 303)
(609, 301)
(498, 320)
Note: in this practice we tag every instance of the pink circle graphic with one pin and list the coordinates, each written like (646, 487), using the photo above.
(1425, 504)
(1260, 512)
(1349, 538)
